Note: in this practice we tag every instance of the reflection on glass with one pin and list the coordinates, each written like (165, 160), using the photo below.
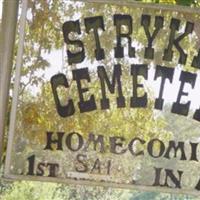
(109, 94)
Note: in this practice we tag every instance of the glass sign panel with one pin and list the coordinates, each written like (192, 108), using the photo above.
(109, 95)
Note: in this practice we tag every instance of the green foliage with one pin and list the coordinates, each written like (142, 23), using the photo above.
(178, 2)
(185, 2)
(31, 191)
(50, 191)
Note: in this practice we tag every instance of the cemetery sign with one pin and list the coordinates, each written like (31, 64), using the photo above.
(123, 110)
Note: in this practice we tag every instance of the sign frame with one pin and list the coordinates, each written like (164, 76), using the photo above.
(9, 176)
